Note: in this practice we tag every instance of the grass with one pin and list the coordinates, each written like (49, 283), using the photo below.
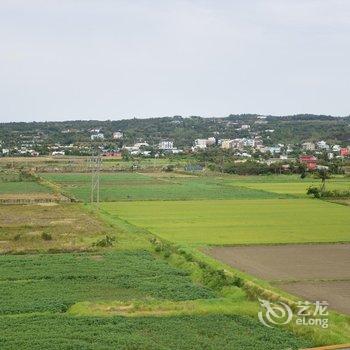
(179, 332)
(22, 228)
(54, 282)
(295, 188)
(18, 187)
(135, 186)
(239, 221)
(288, 184)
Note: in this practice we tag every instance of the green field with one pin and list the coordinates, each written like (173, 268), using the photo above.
(60, 332)
(288, 184)
(239, 221)
(135, 186)
(54, 282)
(19, 187)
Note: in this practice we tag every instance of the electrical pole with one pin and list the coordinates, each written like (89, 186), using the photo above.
(95, 164)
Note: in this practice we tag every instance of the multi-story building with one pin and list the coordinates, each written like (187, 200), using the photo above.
(166, 145)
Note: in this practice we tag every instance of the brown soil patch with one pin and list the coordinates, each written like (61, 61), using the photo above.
(336, 293)
(289, 262)
(311, 271)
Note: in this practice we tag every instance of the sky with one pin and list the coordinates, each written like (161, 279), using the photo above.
(114, 59)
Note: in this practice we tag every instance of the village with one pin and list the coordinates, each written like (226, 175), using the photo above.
(252, 145)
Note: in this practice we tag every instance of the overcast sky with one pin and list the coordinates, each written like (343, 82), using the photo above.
(111, 59)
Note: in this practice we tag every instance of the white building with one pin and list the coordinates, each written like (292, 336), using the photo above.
(200, 143)
(211, 141)
(117, 135)
(98, 136)
(322, 145)
(308, 146)
(58, 153)
(226, 144)
(166, 145)
(274, 150)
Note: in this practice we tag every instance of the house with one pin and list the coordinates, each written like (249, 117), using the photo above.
(226, 144)
(200, 143)
(309, 161)
(117, 135)
(274, 149)
(322, 145)
(166, 145)
(344, 152)
(211, 141)
(58, 153)
(308, 146)
(98, 136)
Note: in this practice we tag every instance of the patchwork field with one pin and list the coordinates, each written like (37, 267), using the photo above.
(312, 271)
(239, 221)
(139, 293)
(135, 186)
(39, 292)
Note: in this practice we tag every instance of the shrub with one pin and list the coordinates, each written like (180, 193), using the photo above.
(107, 241)
(314, 191)
(46, 236)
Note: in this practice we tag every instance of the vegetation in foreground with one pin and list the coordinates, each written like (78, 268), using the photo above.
(54, 282)
(177, 332)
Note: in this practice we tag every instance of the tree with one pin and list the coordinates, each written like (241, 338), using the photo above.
(323, 175)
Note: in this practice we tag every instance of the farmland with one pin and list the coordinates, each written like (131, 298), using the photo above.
(53, 282)
(179, 332)
(239, 221)
(40, 290)
(307, 275)
(22, 187)
(67, 226)
(137, 186)
(58, 281)
(288, 184)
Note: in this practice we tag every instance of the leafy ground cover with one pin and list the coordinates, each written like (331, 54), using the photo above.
(179, 332)
(135, 186)
(239, 221)
(53, 282)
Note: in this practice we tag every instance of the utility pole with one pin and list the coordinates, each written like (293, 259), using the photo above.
(95, 165)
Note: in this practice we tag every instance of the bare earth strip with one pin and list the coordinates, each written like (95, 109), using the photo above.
(311, 271)
(336, 293)
(289, 262)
